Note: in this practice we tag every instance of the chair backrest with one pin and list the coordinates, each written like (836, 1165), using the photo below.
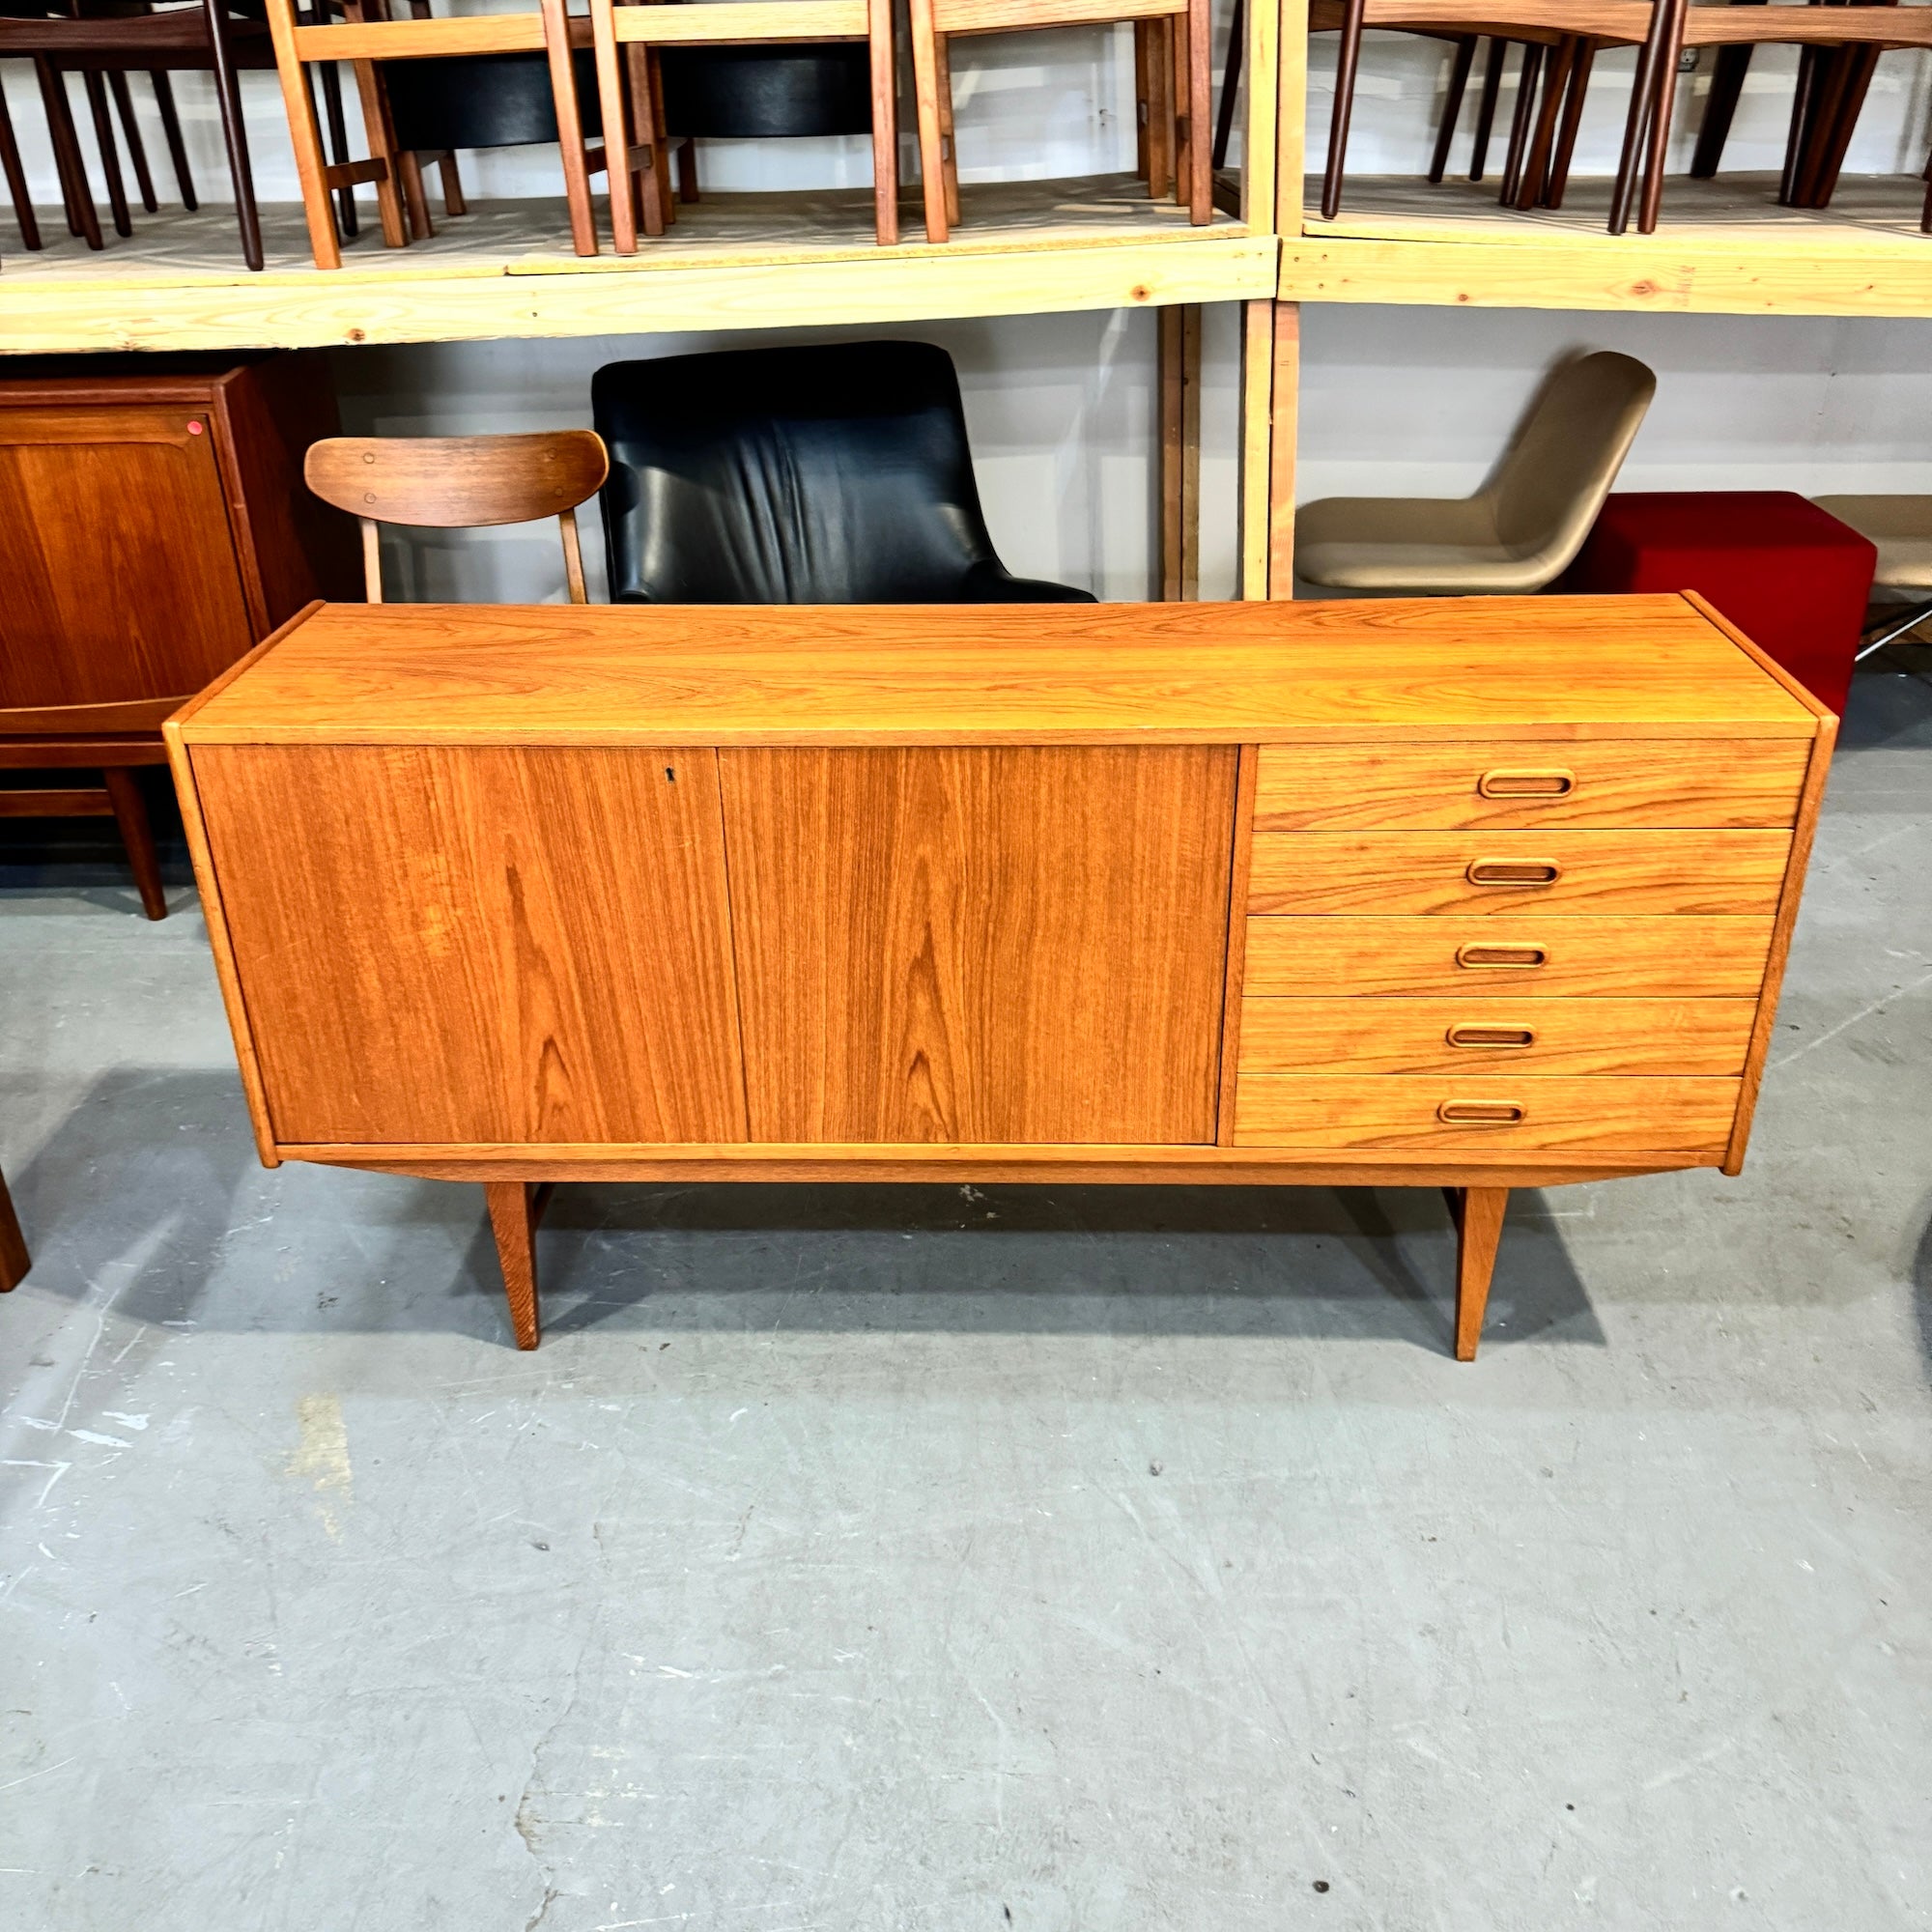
(833, 475)
(460, 482)
(1548, 490)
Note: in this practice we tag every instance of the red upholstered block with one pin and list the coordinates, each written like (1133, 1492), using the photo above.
(1793, 580)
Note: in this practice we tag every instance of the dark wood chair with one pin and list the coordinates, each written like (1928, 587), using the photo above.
(203, 37)
(1559, 46)
(460, 482)
(15, 1259)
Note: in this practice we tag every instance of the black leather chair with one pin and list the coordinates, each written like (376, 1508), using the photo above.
(767, 93)
(836, 474)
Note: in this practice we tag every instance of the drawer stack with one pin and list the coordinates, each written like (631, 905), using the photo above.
(1509, 947)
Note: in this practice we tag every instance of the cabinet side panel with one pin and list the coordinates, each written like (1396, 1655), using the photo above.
(447, 944)
(986, 944)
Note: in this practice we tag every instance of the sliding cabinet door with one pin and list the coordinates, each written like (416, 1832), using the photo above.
(458, 944)
(981, 944)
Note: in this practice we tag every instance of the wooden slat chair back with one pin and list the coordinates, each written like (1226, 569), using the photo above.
(461, 482)
(640, 31)
(1184, 27)
(366, 36)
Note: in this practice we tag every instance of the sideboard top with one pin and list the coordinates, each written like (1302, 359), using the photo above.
(1089, 673)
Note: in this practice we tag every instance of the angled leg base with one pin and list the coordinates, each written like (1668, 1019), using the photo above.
(516, 1207)
(1478, 1214)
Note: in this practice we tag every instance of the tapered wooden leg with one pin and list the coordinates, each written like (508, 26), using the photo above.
(1452, 105)
(1528, 76)
(95, 85)
(15, 1261)
(515, 1207)
(1572, 120)
(925, 97)
(171, 131)
(948, 139)
(130, 133)
(1486, 108)
(130, 814)
(1478, 1213)
(1346, 58)
(81, 218)
(16, 182)
(884, 124)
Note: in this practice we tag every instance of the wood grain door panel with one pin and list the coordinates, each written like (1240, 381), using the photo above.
(981, 944)
(1717, 873)
(117, 555)
(469, 944)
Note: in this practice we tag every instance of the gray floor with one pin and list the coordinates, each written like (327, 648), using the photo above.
(947, 1559)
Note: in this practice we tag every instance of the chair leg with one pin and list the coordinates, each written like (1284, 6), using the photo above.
(323, 73)
(1452, 105)
(1347, 59)
(16, 181)
(689, 188)
(233, 134)
(885, 123)
(130, 133)
(305, 137)
(95, 85)
(1559, 61)
(1142, 118)
(948, 139)
(515, 1207)
(1231, 83)
(130, 814)
(569, 127)
(1573, 120)
(171, 131)
(1160, 111)
(454, 201)
(652, 192)
(925, 71)
(1664, 99)
(614, 112)
(1197, 32)
(1860, 65)
(1177, 55)
(1721, 106)
(15, 1259)
(81, 218)
(1486, 108)
(1637, 120)
(687, 150)
(1527, 76)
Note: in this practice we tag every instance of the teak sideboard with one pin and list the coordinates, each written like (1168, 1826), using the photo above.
(1476, 893)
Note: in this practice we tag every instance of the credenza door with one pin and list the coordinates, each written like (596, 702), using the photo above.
(462, 945)
(974, 944)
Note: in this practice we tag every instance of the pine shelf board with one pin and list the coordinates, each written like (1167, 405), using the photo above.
(1723, 247)
(506, 270)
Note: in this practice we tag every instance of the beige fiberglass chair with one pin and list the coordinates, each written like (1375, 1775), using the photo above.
(1901, 526)
(1521, 531)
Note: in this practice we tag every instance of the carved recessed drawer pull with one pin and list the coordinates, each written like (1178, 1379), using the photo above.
(1502, 958)
(1526, 784)
(1490, 1036)
(1514, 873)
(1480, 1112)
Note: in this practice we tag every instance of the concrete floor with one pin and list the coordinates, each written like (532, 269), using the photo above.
(944, 1559)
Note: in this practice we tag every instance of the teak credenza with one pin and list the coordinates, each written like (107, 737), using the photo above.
(1473, 894)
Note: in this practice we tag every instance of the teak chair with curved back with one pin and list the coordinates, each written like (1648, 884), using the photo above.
(1521, 529)
(460, 482)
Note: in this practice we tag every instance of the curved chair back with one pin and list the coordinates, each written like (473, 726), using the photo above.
(1552, 484)
(484, 100)
(830, 475)
(460, 482)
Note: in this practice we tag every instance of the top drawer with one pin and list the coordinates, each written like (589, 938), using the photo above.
(1660, 781)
